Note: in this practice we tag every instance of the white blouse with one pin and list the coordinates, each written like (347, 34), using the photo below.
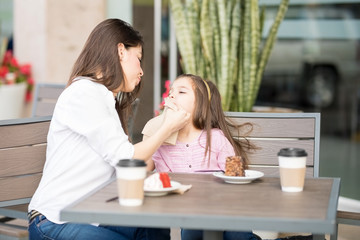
(85, 141)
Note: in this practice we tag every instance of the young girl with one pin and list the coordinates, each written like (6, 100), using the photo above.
(204, 143)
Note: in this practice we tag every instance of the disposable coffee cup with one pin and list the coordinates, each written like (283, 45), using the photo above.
(292, 164)
(130, 174)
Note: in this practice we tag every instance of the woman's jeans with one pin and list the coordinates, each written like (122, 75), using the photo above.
(227, 235)
(41, 228)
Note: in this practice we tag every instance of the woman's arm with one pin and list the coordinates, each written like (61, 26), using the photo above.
(150, 165)
(174, 121)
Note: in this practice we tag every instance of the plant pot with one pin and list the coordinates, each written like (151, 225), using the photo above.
(12, 99)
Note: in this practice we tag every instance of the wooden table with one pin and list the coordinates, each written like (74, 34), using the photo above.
(213, 205)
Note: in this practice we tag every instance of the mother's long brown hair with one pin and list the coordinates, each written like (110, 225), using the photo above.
(208, 114)
(100, 61)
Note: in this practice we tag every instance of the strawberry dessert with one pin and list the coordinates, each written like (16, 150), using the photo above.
(157, 181)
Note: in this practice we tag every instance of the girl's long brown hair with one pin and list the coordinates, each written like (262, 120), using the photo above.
(209, 114)
(99, 60)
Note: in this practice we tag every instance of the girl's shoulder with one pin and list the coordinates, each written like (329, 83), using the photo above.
(217, 132)
(219, 142)
(218, 137)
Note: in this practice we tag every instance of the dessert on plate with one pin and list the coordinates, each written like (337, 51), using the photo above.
(157, 181)
(235, 166)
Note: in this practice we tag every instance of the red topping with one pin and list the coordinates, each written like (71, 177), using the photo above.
(165, 179)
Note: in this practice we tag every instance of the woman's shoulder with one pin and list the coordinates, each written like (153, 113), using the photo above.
(84, 85)
(84, 91)
(85, 82)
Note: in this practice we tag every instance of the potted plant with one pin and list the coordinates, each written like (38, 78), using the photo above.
(222, 41)
(16, 84)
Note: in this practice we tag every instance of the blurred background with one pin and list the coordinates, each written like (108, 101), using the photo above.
(314, 66)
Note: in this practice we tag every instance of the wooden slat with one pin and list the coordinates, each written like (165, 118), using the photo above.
(279, 127)
(274, 171)
(23, 134)
(45, 108)
(349, 215)
(9, 231)
(22, 160)
(50, 92)
(268, 149)
(20, 207)
(18, 187)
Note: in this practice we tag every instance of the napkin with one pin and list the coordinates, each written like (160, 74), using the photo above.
(154, 124)
(182, 189)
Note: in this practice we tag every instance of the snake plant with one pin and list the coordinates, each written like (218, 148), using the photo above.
(221, 41)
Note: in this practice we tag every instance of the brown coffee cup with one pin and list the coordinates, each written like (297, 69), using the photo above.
(130, 174)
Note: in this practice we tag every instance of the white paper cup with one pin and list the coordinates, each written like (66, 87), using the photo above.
(130, 174)
(292, 164)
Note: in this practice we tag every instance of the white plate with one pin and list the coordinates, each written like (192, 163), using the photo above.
(250, 175)
(162, 192)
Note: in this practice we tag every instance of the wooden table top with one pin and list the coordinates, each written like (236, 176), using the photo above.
(213, 204)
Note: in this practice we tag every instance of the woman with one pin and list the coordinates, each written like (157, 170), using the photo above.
(87, 134)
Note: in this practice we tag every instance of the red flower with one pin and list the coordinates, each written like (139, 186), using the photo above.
(3, 71)
(14, 62)
(7, 57)
(25, 69)
(30, 81)
(167, 84)
(164, 95)
(11, 72)
(28, 96)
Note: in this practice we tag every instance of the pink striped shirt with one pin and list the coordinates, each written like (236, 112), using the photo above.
(189, 157)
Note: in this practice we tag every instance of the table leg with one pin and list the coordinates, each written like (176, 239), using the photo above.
(213, 235)
(335, 234)
(318, 236)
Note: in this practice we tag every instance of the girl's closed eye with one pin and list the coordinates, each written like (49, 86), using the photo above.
(182, 90)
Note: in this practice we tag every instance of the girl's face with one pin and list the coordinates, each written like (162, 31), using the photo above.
(182, 93)
(130, 60)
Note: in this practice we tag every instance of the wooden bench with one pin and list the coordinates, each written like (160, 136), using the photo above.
(22, 158)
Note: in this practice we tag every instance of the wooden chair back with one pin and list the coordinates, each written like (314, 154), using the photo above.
(45, 97)
(22, 158)
(273, 131)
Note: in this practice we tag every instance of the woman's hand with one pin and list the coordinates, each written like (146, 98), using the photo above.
(169, 103)
(175, 119)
